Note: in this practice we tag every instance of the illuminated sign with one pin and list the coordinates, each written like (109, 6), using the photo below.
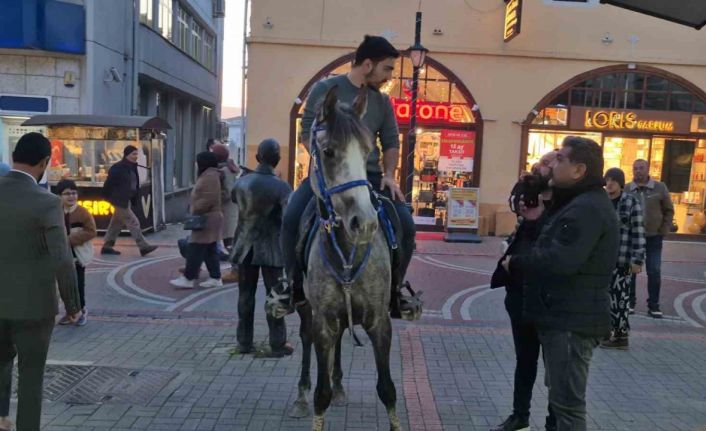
(622, 120)
(98, 208)
(513, 19)
(432, 112)
(633, 120)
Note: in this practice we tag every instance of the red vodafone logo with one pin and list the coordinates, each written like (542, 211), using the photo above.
(432, 112)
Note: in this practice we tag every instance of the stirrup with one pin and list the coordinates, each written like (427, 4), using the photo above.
(278, 303)
(410, 307)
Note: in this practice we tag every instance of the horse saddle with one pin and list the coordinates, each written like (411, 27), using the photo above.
(387, 217)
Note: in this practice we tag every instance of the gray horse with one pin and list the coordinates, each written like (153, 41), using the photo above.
(348, 270)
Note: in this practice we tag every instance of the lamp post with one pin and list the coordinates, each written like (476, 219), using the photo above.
(417, 54)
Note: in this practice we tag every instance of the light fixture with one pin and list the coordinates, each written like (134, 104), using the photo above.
(418, 54)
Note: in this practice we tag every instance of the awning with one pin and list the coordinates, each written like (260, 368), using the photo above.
(127, 121)
(686, 12)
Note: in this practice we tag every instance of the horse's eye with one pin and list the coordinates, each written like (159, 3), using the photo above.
(328, 153)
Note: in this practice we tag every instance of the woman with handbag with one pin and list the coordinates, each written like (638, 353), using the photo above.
(81, 229)
(205, 223)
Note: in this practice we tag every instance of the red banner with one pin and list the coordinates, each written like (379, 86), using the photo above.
(457, 148)
(432, 112)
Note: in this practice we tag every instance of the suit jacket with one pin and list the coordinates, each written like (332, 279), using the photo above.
(261, 197)
(34, 251)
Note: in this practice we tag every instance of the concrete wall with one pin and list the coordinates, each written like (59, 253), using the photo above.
(42, 75)
(506, 79)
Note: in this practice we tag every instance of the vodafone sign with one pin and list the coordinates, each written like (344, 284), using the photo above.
(432, 112)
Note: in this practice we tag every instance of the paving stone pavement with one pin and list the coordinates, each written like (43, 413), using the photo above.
(453, 378)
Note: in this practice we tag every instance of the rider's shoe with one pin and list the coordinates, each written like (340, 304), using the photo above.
(407, 307)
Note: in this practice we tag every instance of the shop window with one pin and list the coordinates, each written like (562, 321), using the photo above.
(678, 156)
(657, 83)
(580, 97)
(656, 101)
(680, 102)
(540, 143)
(657, 158)
(552, 116)
(622, 152)
(604, 99)
(630, 100)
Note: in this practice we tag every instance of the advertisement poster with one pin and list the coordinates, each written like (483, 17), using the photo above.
(457, 148)
(462, 208)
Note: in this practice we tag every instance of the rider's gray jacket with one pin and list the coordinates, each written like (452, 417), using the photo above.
(261, 197)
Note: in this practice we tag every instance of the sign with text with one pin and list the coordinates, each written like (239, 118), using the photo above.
(457, 148)
(432, 112)
(629, 120)
(513, 19)
(462, 208)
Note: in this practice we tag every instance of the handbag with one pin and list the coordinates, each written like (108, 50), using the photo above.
(196, 222)
(83, 252)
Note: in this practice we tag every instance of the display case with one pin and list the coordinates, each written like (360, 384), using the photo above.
(83, 148)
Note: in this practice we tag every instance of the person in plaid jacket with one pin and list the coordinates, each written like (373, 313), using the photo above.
(630, 258)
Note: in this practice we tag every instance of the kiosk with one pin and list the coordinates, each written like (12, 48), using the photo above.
(84, 147)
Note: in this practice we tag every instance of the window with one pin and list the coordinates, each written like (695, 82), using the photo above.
(208, 50)
(196, 32)
(183, 21)
(165, 18)
(146, 12)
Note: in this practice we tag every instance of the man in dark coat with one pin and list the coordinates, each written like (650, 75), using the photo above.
(122, 189)
(567, 275)
(261, 198)
(524, 334)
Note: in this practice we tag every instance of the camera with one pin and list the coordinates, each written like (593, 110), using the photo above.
(526, 190)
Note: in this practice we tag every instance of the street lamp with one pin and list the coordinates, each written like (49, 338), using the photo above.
(418, 55)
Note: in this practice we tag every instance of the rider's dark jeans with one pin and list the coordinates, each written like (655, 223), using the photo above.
(292, 216)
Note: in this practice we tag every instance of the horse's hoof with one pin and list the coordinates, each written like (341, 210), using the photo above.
(338, 399)
(299, 410)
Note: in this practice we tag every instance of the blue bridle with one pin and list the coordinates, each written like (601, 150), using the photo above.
(348, 276)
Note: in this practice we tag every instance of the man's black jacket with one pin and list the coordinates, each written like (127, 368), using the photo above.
(117, 188)
(567, 273)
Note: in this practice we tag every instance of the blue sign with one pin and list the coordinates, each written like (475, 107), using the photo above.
(27, 104)
(48, 25)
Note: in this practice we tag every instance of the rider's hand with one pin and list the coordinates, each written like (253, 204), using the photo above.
(395, 191)
(635, 269)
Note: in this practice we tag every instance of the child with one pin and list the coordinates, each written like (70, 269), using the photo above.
(81, 229)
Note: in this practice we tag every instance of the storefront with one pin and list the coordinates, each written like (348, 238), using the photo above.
(449, 135)
(84, 147)
(14, 110)
(634, 112)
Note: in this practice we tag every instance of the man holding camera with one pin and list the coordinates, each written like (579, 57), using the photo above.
(524, 333)
(567, 275)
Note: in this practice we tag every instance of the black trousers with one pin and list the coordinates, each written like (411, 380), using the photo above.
(196, 254)
(247, 288)
(81, 278)
(29, 340)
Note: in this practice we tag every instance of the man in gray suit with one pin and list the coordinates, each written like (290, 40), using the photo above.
(34, 256)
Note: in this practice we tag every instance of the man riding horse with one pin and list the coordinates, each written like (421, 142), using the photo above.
(373, 66)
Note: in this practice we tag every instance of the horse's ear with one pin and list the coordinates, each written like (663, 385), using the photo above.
(328, 108)
(360, 104)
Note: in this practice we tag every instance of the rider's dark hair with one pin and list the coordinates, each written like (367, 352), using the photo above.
(375, 48)
(31, 149)
(588, 152)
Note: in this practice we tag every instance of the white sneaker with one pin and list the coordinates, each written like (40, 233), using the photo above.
(212, 282)
(182, 283)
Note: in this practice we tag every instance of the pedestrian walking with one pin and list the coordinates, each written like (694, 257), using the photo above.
(631, 256)
(81, 229)
(567, 273)
(261, 198)
(658, 212)
(122, 189)
(524, 333)
(230, 172)
(203, 243)
(34, 256)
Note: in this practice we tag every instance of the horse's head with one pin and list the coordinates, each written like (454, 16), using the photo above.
(342, 143)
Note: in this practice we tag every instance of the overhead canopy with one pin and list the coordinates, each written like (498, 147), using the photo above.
(687, 12)
(127, 121)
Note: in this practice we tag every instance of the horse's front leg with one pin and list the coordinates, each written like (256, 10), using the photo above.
(325, 344)
(300, 408)
(339, 394)
(381, 337)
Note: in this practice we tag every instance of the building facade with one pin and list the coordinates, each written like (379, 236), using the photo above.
(633, 83)
(129, 57)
